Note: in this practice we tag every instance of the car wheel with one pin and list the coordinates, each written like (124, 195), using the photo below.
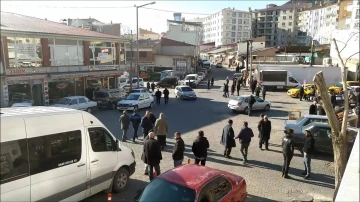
(175, 96)
(136, 108)
(89, 110)
(113, 106)
(246, 110)
(267, 107)
(151, 105)
(120, 180)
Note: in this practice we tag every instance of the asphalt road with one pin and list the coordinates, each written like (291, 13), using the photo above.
(210, 114)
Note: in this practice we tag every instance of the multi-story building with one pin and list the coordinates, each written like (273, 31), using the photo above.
(348, 14)
(227, 26)
(317, 23)
(278, 23)
(95, 25)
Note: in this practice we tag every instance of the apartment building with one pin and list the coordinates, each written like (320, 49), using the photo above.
(227, 26)
(354, 20)
(278, 23)
(318, 23)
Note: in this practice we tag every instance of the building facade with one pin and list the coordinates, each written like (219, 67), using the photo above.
(47, 60)
(148, 34)
(227, 26)
(278, 23)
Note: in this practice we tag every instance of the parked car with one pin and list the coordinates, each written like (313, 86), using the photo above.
(191, 79)
(108, 98)
(322, 135)
(20, 98)
(76, 102)
(219, 65)
(135, 101)
(354, 86)
(22, 104)
(168, 82)
(126, 87)
(135, 80)
(295, 92)
(239, 104)
(184, 92)
(201, 75)
(299, 124)
(140, 90)
(191, 182)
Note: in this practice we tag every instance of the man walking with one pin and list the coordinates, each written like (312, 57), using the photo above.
(251, 101)
(199, 148)
(313, 108)
(146, 124)
(153, 86)
(238, 86)
(152, 155)
(161, 129)
(212, 81)
(208, 84)
(166, 96)
(264, 92)
(226, 90)
(244, 137)
(308, 149)
(301, 92)
(265, 130)
(227, 139)
(158, 96)
(135, 119)
(125, 122)
(288, 152)
(179, 148)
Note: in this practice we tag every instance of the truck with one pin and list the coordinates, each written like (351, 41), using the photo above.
(277, 79)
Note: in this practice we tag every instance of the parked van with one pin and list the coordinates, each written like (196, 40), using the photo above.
(122, 80)
(59, 154)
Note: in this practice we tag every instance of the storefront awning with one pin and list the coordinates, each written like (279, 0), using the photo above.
(105, 74)
(94, 74)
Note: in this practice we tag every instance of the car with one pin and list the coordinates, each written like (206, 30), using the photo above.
(126, 87)
(168, 82)
(219, 65)
(140, 90)
(136, 101)
(238, 75)
(76, 102)
(201, 75)
(135, 80)
(295, 92)
(299, 124)
(354, 86)
(239, 104)
(20, 98)
(108, 98)
(22, 104)
(322, 135)
(184, 92)
(191, 79)
(191, 182)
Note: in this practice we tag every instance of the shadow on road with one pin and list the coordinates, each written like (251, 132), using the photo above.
(258, 198)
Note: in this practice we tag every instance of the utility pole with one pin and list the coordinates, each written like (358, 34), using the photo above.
(358, 98)
(247, 56)
(251, 71)
(312, 54)
(131, 61)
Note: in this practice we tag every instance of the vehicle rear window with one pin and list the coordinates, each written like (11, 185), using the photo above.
(169, 192)
(101, 94)
(186, 89)
(300, 119)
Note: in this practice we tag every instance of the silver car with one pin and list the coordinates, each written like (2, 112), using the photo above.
(185, 92)
(300, 123)
(239, 104)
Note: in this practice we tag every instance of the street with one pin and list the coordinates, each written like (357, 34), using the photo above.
(210, 114)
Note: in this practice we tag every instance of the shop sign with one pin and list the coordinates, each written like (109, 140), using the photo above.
(101, 67)
(20, 71)
(180, 64)
(103, 56)
(144, 74)
(68, 76)
(105, 75)
(25, 78)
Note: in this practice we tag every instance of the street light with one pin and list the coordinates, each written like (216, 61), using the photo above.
(137, 38)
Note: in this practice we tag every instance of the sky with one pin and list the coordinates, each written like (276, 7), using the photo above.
(107, 11)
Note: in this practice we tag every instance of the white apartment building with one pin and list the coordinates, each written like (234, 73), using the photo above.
(318, 23)
(353, 22)
(227, 26)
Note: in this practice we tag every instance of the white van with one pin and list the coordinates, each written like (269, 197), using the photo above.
(59, 154)
(122, 80)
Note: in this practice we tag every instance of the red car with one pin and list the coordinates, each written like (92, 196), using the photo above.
(194, 183)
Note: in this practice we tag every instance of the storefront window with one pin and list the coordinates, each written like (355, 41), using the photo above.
(24, 52)
(102, 53)
(60, 88)
(64, 52)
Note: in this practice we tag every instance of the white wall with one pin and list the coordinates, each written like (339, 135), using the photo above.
(149, 36)
(167, 61)
(177, 50)
(255, 46)
(176, 33)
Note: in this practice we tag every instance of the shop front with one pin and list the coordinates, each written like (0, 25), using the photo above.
(102, 76)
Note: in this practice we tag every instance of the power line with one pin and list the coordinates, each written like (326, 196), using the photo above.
(176, 11)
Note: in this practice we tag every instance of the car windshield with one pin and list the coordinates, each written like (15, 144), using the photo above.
(101, 94)
(64, 101)
(300, 119)
(186, 89)
(200, 73)
(190, 78)
(132, 97)
(169, 192)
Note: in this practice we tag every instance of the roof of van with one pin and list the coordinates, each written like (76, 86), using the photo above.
(31, 111)
(191, 75)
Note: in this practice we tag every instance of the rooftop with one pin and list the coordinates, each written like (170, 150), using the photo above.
(283, 7)
(170, 42)
(144, 31)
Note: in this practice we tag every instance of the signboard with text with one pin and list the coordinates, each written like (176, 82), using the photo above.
(180, 64)
(101, 67)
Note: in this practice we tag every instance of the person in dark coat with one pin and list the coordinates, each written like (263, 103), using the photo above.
(146, 124)
(226, 90)
(244, 137)
(301, 93)
(238, 87)
(212, 81)
(208, 84)
(288, 151)
(227, 80)
(153, 87)
(251, 101)
(263, 92)
(152, 119)
(265, 130)
(199, 148)
(148, 85)
(333, 99)
(227, 139)
(158, 96)
(125, 122)
(179, 148)
(135, 119)
(237, 69)
(308, 150)
(257, 91)
(313, 108)
(321, 110)
(143, 158)
(253, 86)
(166, 96)
(232, 89)
(152, 152)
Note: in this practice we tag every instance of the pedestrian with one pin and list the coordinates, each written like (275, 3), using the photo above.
(244, 137)
(146, 124)
(135, 119)
(264, 92)
(153, 155)
(237, 69)
(148, 85)
(232, 89)
(152, 119)
(227, 139)
(308, 150)
(259, 126)
(253, 86)
(125, 122)
(301, 92)
(257, 91)
(227, 80)
(333, 99)
(153, 86)
(166, 96)
(288, 151)
(265, 130)
(208, 84)
(161, 129)
(313, 108)
(212, 81)
(251, 101)
(199, 148)
(158, 96)
(238, 86)
(226, 90)
(321, 110)
(143, 158)
(179, 148)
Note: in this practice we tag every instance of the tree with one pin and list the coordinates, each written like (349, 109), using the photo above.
(339, 138)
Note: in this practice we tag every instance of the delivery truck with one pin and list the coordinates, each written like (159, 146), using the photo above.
(277, 79)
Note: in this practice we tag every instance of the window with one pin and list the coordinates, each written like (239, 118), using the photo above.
(74, 102)
(322, 133)
(283, 24)
(290, 23)
(101, 140)
(233, 21)
(284, 17)
(82, 100)
(65, 52)
(290, 17)
(142, 54)
(232, 34)
(233, 28)
(14, 161)
(24, 52)
(234, 14)
(102, 53)
(54, 151)
(216, 189)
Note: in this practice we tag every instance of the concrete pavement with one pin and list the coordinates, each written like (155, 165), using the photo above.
(210, 114)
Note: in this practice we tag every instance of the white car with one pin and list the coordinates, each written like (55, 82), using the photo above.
(135, 80)
(135, 101)
(192, 78)
(22, 104)
(185, 92)
(76, 102)
(201, 75)
(126, 87)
